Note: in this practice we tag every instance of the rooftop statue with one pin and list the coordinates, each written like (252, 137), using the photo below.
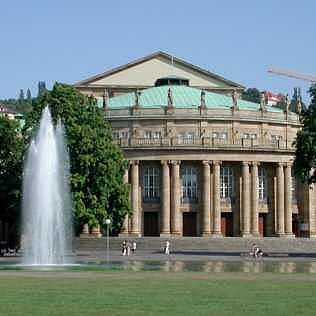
(137, 98)
(234, 99)
(263, 102)
(203, 103)
(170, 98)
(287, 103)
(105, 98)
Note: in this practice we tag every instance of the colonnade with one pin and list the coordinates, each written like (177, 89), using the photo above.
(170, 213)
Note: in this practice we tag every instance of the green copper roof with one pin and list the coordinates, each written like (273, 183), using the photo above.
(183, 97)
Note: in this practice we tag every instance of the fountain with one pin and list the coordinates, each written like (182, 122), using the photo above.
(47, 223)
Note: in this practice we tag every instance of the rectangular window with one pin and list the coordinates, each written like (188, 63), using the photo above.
(151, 184)
(115, 135)
(276, 138)
(262, 184)
(120, 134)
(249, 136)
(226, 183)
(152, 134)
(189, 184)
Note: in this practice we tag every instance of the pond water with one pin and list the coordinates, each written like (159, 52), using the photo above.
(245, 266)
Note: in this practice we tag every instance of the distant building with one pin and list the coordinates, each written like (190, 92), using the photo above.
(272, 98)
(7, 112)
(11, 114)
(203, 162)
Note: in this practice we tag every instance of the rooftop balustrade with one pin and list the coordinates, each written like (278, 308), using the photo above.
(203, 142)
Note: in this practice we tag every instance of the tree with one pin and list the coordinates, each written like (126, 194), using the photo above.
(11, 162)
(296, 97)
(28, 96)
(252, 95)
(305, 155)
(21, 97)
(97, 165)
(41, 88)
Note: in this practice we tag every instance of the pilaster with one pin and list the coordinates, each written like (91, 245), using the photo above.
(175, 197)
(135, 229)
(206, 199)
(165, 200)
(288, 201)
(216, 232)
(254, 200)
(245, 200)
(280, 200)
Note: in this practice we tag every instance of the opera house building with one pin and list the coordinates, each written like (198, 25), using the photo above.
(203, 162)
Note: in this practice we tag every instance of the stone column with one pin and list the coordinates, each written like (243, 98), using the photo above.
(280, 200)
(175, 197)
(165, 200)
(206, 199)
(245, 200)
(254, 200)
(217, 232)
(288, 200)
(135, 198)
(125, 226)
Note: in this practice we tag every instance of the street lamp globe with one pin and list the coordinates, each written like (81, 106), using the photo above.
(107, 221)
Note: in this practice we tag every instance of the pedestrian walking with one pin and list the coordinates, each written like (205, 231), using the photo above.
(128, 248)
(124, 245)
(167, 248)
(134, 246)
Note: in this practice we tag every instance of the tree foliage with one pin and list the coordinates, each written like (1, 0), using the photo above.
(97, 165)
(252, 95)
(21, 96)
(11, 157)
(305, 156)
(41, 88)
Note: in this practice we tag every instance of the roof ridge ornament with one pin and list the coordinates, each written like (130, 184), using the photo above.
(203, 103)
(170, 98)
(170, 108)
(263, 102)
(299, 105)
(235, 101)
(137, 95)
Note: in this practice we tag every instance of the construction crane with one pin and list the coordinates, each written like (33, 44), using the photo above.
(292, 74)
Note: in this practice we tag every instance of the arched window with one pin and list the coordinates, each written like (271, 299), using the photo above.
(227, 182)
(189, 184)
(262, 184)
(151, 183)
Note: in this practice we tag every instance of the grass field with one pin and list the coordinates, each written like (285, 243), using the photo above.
(156, 293)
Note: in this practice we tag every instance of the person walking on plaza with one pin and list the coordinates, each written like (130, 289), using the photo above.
(128, 248)
(124, 248)
(167, 248)
(134, 246)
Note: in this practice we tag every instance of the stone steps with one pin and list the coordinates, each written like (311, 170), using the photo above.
(227, 244)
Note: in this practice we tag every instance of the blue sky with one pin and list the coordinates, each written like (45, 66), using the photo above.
(68, 40)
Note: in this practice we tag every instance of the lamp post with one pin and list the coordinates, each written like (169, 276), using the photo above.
(107, 222)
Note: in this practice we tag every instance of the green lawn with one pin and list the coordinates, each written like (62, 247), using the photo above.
(156, 293)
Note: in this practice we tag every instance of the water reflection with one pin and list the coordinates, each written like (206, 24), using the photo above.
(214, 266)
(221, 266)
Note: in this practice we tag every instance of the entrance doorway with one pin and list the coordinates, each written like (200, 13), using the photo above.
(227, 224)
(151, 227)
(262, 225)
(189, 224)
(295, 225)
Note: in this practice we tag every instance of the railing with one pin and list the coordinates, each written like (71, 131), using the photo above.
(204, 142)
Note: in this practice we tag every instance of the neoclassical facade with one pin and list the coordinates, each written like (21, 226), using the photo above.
(203, 162)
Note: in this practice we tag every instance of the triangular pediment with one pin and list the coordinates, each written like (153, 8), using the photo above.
(145, 71)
